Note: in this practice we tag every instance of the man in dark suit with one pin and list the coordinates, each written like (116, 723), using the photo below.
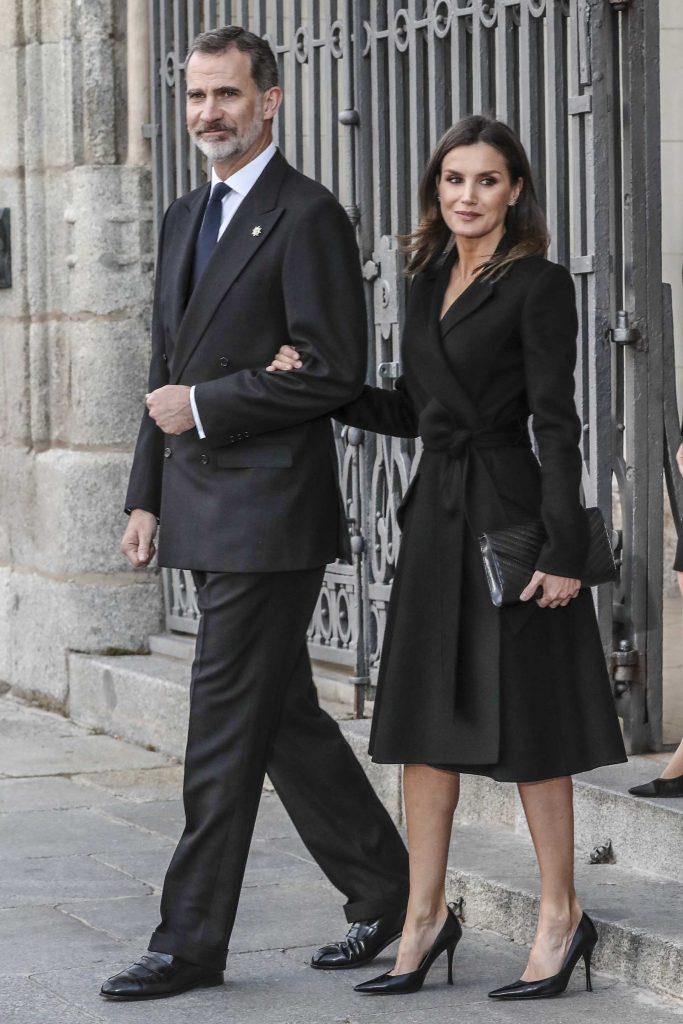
(238, 465)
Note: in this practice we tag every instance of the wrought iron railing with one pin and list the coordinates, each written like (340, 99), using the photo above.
(369, 88)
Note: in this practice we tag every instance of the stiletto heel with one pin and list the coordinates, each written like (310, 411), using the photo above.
(582, 945)
(450, 951)
(400, 984)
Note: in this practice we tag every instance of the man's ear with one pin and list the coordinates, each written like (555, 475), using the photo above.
(272, 99)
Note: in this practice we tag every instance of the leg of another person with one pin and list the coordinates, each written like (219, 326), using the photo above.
(674, 769)
(549, 811)
(431, 797)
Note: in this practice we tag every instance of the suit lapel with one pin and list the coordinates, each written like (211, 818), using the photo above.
(182, 245)
(247, 231)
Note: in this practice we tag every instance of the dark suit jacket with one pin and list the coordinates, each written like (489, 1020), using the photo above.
(260, 494)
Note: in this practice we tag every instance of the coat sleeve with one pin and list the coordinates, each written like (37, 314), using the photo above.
(144, 485)
(549, 330)
(325, 321)
(386, 412)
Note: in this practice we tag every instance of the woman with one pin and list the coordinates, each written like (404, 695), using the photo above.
(519, 694)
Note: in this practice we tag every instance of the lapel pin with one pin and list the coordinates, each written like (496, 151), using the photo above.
(256, 231)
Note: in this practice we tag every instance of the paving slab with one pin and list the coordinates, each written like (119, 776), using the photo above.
(24, 1001)
(60, 833)
(47, 794)
(41, 881)
(138, 784)
(43, 938)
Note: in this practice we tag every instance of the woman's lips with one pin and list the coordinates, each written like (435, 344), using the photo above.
(467, 216)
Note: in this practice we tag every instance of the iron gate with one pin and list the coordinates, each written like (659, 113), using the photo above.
(369, 88)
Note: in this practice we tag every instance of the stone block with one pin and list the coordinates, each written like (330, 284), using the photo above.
(13, 301)
(385, 778)
(110, 246)
(108, 365)
(485, 802)
(10, 23)
(66, 513)
(55, 21)
(670, 15)
(15, 421)
(5, 618)
(672, 194)
(10, 157)
(50, 617)
(144, 699)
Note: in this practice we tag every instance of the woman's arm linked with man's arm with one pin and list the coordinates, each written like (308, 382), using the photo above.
(380, 410)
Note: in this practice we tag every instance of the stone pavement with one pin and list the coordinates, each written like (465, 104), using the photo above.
(87, 825)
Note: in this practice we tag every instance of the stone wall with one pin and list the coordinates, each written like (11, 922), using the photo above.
(73, 342)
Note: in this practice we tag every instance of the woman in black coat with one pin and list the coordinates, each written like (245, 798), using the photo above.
(520, 694)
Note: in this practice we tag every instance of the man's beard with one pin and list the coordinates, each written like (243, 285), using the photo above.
(235, 146)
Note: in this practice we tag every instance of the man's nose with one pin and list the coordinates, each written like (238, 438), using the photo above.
(210, 109)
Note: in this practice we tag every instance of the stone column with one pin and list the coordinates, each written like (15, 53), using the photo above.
(73, 342)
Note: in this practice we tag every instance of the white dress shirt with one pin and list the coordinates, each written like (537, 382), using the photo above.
(240, 183)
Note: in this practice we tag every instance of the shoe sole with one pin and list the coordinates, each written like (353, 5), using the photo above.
(206, 983)
(357, 963)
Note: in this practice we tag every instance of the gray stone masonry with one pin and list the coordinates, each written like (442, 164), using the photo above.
(87, 825)
(73, 343)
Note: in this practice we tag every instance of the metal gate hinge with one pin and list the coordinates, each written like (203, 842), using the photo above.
(623, 333)
(389, 371)
(624, 667)
(619, 5)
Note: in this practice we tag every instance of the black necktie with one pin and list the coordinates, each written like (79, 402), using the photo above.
(208, 234)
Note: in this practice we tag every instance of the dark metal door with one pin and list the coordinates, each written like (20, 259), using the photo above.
(369, 88)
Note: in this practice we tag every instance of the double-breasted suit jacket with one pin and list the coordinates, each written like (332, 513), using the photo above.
(260, 493)
(518, 693)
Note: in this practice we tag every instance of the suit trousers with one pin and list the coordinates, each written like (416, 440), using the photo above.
(254, 708)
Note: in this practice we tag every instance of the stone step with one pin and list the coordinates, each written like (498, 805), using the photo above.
(639, 917)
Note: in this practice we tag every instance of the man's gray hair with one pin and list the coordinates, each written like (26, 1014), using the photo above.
(263, 64)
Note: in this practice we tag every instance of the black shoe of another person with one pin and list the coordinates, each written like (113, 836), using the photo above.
(660, 787)
(157, 976)
(364, 941)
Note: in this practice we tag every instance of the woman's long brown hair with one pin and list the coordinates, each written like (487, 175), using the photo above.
(525, 223)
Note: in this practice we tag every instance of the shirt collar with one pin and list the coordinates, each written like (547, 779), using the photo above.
(244, 179)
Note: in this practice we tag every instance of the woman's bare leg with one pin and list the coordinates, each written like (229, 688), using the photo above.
(549, 811)
(431, 797)
(675, 765)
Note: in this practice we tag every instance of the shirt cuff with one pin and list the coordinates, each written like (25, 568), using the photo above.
(195, 413)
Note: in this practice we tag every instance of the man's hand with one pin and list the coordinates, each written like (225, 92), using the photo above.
(170, 408)
(137, 543)
(679, 459)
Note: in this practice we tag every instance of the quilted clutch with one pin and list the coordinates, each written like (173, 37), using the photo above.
(510, 557)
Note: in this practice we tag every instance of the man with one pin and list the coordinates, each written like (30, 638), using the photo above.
(239, 467)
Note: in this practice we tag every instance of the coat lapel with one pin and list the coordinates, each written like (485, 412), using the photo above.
(244, 236)
(434, 369)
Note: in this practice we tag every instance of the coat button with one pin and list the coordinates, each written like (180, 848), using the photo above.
(204, 459)
(165, 357)
(167, 453)
(224, 361)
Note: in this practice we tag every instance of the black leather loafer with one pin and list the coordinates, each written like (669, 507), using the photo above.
(364, 941)
(158, 975)
(660, 787)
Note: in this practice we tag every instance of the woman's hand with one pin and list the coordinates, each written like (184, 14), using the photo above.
(286, 359)
(679, 459)
(558, 591)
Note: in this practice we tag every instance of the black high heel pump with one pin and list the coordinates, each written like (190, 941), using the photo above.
(401, 984)
(582, 945)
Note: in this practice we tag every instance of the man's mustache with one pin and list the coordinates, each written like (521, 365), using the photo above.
(216, 126)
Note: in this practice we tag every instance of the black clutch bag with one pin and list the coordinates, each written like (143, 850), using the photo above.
(510, 557)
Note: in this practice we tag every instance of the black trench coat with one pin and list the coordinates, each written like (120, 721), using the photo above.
(519, 693)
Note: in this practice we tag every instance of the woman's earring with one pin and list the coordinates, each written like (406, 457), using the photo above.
(437, 197)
